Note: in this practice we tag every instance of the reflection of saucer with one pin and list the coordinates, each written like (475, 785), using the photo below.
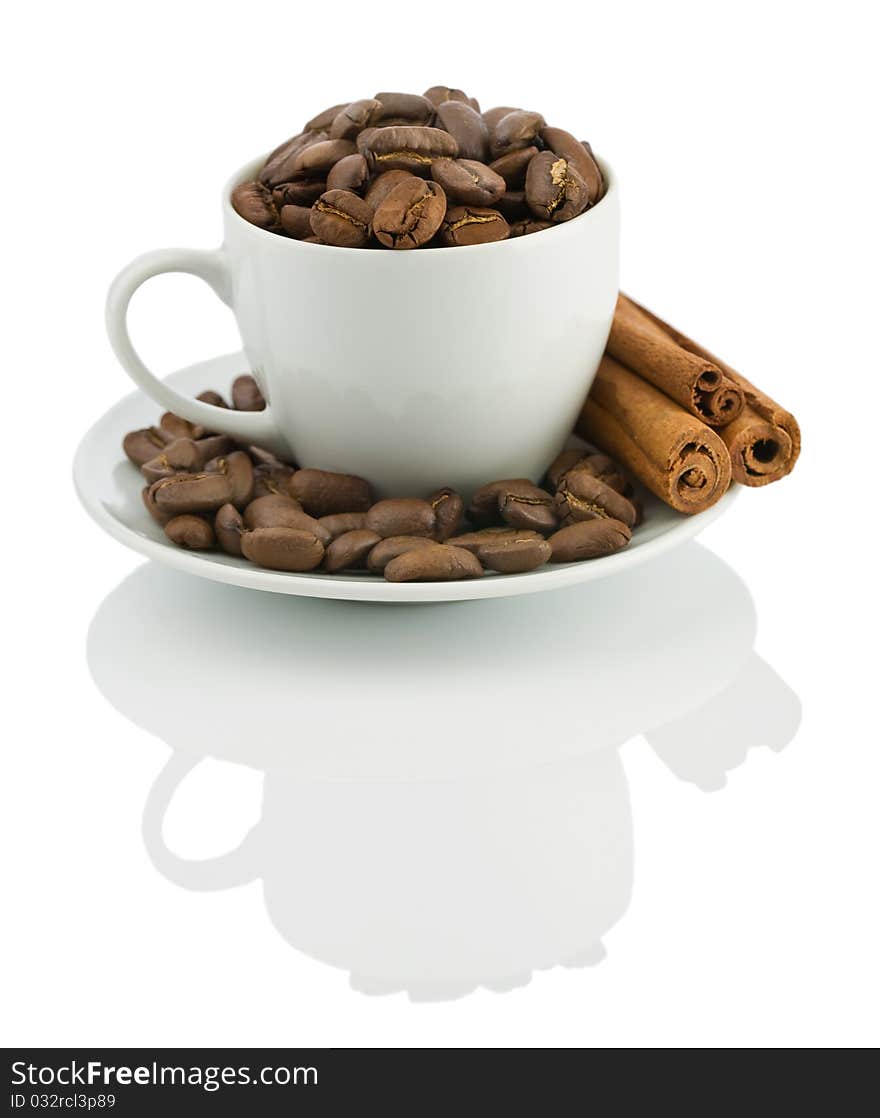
(444, 801)
(109, 487)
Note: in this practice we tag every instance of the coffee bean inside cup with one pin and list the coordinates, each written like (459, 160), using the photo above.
(404, 171)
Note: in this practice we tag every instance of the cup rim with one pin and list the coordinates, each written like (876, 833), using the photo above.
(249, 170)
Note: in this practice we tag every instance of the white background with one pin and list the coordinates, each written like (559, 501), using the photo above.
(744, 137)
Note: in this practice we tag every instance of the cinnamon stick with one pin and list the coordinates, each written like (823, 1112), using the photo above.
(764, 440)
(699, 384)
(674, 454)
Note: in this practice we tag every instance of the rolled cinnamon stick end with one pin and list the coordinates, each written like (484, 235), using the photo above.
(764, 440)
(676, 456)
(693, 380)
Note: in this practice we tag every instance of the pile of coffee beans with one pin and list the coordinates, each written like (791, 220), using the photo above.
(209, 492)
(403, 171)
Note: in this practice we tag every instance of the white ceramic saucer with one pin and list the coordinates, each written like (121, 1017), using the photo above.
(109, 487)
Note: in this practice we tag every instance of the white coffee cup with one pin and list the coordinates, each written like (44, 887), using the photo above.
(412, 369)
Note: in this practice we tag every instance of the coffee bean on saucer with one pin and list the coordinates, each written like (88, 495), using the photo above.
(473, 541)
(153, 509)
(515, 554)
(228, 528)
(467, 127)
(350, 550)
(296, 221)
(410, 215)
(392, 546)
(253, 202)
(562, 463)
(523, 505)
(589, 539)
(401, 516)
(472, 225)
(437, 562)
(179, 455)
(190, 532)
(467, 182)
(583, 496)
(519, 129)
(341, 218)
(483, 509)
(322, 493)
(282, 549)
(246, 394)
(185, 493)
(142, 445)
(277, 510)
(271, 480)
(212, 446)
(178, 428)
(238, 467)
(209, 396)
(350, 173)
(448, 509)
(512, 167)
(555, 190)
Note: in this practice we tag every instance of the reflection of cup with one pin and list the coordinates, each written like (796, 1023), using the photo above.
(413, 369)
(419, 849)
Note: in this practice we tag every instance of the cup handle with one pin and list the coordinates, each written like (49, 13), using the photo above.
(226, 871)
(256, 427)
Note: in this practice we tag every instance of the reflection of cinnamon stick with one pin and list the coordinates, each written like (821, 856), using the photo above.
(696, 382)
(764, 440)
(675, 455)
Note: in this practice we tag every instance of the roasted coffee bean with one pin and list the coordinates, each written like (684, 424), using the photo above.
(519, 129)
(322, 493)
(354, 118)
(473, 541)
(263, 457)
(405, 148)
(350, 173)
(212, 446)
(583, 496)
(639, 508)
(228, 528)
(526, 225)
(513, 165)
(401, 516)
(179, 455)
(589, 539)
(314, 161)
(190, 532)
(238, 467)
(277, 511)
(298, 193)
(392, 546)
(383, 184)
(523, 505)
(512, 206)
(600, 464)
(563, 143)
(340, 522)
(493, 116)
(324, 120)
(350, 550)
(437, 94)
(255, 204)
(272, 481)
(282, 549)
(342, 218)
(274, 169)
(296, 221)
(467, 127)
(471, 225)
(402, 108)
(142, 445)
(448, 509)
(483, 509)
(562, 463)
(467, 182)
(246, 394)
(436, 563)
(177, 428)
(153, 509)
(185, 493)
(209, 396)
(515, 554)
(410, 215)
(555, 190)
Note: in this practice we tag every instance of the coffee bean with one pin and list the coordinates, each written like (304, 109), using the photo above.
(512, 206)
(410, 215)
(555, 190)
(341, 218)
(255, 204)
(246, 394)
(562, 463)
(523, 505)
(526, 225)
(589, 539)
(467, 182)
(212, 446)
(563, 143)
(467, 127)
(402, 108)
(518, 129)
(382, 185)
(401, 516)
(298, 193)
(282, 549)
(405, 148)
(278, 511)
(483, 509)
(338, 523)
(437, 94)
(238, 467)
(324, 120)
(185, 493)
(437, 562)
(271, 481)
(513, 165)
(354, 118)
(228, 528)
(190, 532)
(448, 509)
(392, 546)
(471, 225)
(314, 161)
(350, 173)
(142, 445)
(515, 554)
(177, 428)
(178, 456)
(274, 169)
(322, 493)
(296, 221)
(473, 541)
(152, 508)
(583, 496)
(209, 396)
(350, 550)
(493, 116)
